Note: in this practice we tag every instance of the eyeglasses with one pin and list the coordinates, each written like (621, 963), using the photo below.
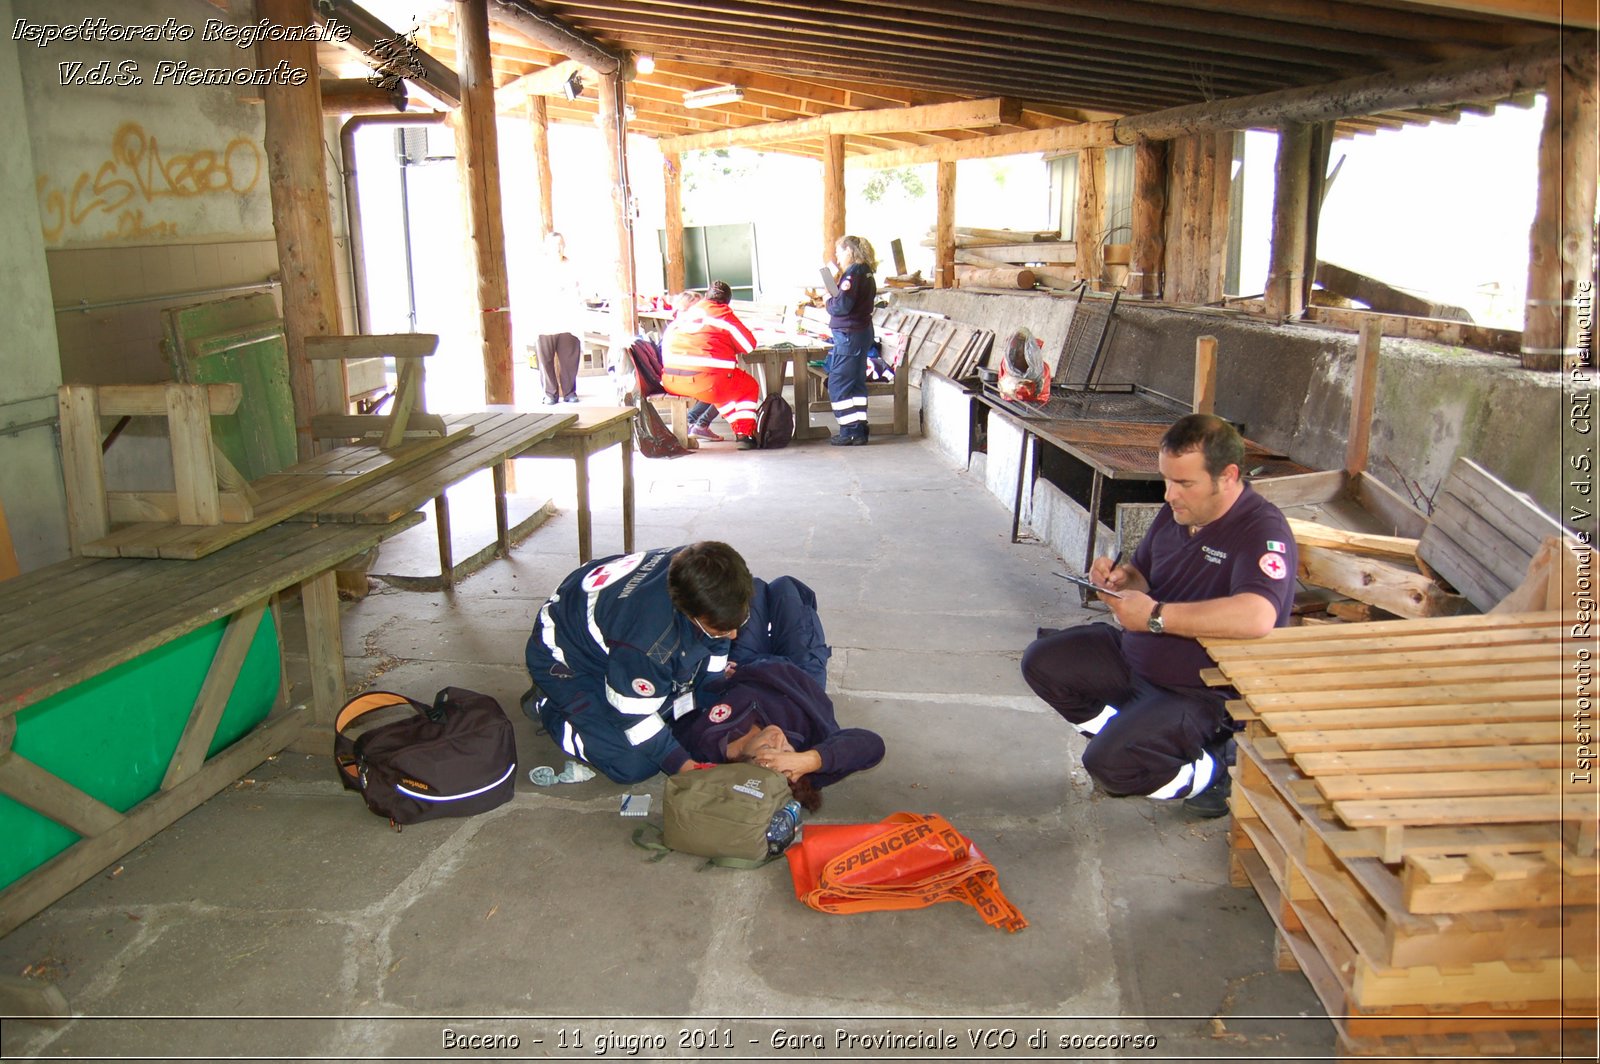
(721, 635)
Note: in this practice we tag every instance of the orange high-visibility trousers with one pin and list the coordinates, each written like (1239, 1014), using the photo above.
(733, 392)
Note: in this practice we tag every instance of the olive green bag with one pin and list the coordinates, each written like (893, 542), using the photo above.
(723, 812)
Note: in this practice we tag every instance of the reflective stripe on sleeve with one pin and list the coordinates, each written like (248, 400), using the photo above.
(1191, 779)
(645, 729)
(632, 705)
(547, 633)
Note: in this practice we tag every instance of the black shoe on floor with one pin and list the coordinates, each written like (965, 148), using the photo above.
(842, 440)
(1213, 801)
(746, 443)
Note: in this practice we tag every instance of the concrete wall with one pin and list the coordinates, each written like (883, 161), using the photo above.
(30, 466)
(1289, 386)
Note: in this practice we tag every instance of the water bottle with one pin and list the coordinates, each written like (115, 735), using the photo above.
(783, 827)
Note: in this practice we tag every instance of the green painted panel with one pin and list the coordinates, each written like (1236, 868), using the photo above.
(112, 736)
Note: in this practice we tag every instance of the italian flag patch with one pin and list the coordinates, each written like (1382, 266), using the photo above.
(1273, 544)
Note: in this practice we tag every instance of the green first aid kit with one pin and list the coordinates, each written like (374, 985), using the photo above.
(724, 812)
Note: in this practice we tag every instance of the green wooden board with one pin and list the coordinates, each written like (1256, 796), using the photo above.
(241, 341)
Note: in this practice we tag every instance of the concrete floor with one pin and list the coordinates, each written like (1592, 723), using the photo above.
(284, 897)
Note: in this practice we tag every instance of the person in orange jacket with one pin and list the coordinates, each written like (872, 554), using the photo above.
(700, 360)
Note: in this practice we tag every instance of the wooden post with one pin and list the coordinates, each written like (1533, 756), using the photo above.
(1285, 296)
(299, 188)
(945, 225)
(672, 180)
(1088, 229)
(478, 160)
(1363, 396)
(833, 194)
(613, 124)
(1205, 374)
(1149, 219)
(1222, 150)
(1199, 212)
(1561, 239)
(539, 133)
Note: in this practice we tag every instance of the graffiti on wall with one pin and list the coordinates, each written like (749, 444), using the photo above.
(128, 195)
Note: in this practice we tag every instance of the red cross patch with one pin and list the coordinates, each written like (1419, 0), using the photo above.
(719, 712)
(1274, 566)
(643, 688)
(844, 285)
(601, 575)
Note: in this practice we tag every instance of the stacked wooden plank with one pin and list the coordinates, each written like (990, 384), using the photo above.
(1409, 808)
(1004, 258)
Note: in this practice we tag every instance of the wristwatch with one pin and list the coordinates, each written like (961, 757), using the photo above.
(1155, 623)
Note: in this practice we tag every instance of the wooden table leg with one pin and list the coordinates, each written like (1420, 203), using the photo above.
(580, 463)
(319, 601)
(502, 520)
(627, 495)
(441, 517)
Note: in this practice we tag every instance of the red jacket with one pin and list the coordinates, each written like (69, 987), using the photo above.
(706, 336)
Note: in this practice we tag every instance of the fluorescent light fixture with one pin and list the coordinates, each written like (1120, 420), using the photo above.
(713, 96)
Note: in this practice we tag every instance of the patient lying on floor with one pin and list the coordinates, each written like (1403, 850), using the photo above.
(770, 708)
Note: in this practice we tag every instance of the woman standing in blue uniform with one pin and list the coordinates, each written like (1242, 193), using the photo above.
(850, 321)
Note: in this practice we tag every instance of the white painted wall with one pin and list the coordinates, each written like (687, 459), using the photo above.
(30, 370)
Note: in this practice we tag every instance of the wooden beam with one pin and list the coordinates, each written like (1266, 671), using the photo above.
(557, 36)
(613, 126)
(551, 81)
(539, 133)
(438, 80)
(300, 220)
(1560, 263)
(1491, 77)
(478, 160)
(1149, 219)
(358, 96)
(944, 227)
(1089, 229)
(832, 194)
(672, 182)
(1285, 294)
(1363, 397)
(82, 469)
(1552, 12)
(965, 114)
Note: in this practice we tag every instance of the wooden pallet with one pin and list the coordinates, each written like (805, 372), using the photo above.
(1402, 808)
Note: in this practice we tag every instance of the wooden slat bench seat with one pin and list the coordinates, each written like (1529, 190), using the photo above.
(487, 440)
(72, 622)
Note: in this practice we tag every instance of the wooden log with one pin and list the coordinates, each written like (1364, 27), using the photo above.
(1286, 281)
(1312, 534)
(672, 183)
(1145, 260)
(539, 135)
(1089, 224)
(358, 96)
(1560, 263)
(478, 161)
(1389, 587)
(945, 226)
(298, 184)
(976, 277)
(613, 125)
(833, 194)
(1205, 374)
(367, 31)
(1381, 297)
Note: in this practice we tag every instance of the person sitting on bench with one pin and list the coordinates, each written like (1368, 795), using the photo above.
(700, 360)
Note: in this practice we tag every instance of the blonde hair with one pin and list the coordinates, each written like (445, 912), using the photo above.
(857, 249)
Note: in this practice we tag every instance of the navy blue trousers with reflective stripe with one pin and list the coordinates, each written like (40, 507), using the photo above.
(847, 379)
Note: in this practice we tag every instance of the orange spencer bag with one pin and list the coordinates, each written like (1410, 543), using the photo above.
(908, 861)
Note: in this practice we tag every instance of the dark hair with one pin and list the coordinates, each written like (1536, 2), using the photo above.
(719, 292)
(801, 790)
(1219, 441)
(709, 581)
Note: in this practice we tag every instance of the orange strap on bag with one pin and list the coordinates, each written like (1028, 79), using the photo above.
(908, 861)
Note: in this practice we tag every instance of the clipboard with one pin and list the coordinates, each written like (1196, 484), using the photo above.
(1083, 581)
(828, 282)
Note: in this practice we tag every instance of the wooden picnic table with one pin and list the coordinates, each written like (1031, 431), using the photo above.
(596, 428)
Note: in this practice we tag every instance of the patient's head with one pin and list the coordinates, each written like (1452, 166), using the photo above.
(769, 739)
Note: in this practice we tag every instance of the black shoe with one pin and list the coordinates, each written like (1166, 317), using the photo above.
(746, 443)
(844, 440)
(1213, 801)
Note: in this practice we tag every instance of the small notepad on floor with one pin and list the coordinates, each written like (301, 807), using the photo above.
(635, 805)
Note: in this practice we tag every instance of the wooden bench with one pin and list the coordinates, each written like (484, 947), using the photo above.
(488, 439)
(809, 379)
(596, 429)
(75, 621)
